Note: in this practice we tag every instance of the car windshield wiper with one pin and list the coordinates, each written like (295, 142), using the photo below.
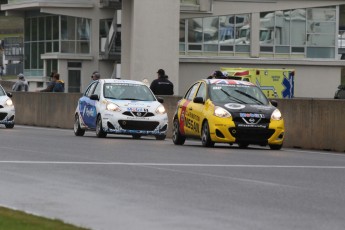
(132, 99)
(234, 98)
(111, 98)
(249, 96)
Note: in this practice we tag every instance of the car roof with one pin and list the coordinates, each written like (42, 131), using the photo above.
(122, 81)
(227, 82)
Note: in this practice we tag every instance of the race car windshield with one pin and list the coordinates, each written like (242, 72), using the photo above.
(128, 92)
(2, 92)
(242, 94)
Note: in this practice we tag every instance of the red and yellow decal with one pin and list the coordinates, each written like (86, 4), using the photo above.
(182, 116)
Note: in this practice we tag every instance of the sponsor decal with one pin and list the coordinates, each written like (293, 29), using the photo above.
(137, 118)
(252, 126)
(182, 116)
(193, 116)
(262, 107)
(234, 106)
(191, 123)
(89, 112)
(138, 110)
(252, 115)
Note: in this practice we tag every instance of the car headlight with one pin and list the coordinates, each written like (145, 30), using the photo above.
(9, 102)
(113, 107)
(160, 110)
(220, 112)
(276, 115)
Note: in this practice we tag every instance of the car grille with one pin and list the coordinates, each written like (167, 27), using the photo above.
(138, 125)
(251, 120)
(138, 114)
(251, 135)
(2, 116)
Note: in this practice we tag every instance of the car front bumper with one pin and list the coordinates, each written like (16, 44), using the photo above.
(224, 130)
(122, 124)
(7, 115)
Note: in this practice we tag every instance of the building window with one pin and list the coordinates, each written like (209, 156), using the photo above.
(75, 35)
(308, 33)
(44, 34)
(192, 2)
(182, 36)
(215, 35)
(295, 33)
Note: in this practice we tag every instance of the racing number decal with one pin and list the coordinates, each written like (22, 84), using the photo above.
(182, 116)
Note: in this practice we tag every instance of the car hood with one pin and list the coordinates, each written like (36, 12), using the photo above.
(3, 99)
(239, 109)
(136, 104)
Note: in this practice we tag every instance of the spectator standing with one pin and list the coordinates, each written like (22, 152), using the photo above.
(1, 71)
(21, 84)
(161, 85)
(95, 76)
(55, 85)
(217, 75)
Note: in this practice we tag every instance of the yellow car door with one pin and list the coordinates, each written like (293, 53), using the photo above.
(185, 107)
(196, 110)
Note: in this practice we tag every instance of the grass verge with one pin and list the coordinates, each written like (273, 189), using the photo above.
(15, 220)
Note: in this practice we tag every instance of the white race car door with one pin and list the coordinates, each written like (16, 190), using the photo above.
(87, 107)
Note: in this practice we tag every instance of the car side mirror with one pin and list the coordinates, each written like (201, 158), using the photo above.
(94, 97)
(198, 100)
(9, 94)
(274, 103)
(161, 100)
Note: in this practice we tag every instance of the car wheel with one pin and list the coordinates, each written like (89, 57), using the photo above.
(99, 129)
(136, 136)
(177, 137)
(78, 131)
(276, 147)
(205, 136)
(9, 126)
(160, 137)
(243, 145)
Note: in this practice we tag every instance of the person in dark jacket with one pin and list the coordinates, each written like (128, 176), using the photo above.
(161, 85)
(95, 76)
(56, 85)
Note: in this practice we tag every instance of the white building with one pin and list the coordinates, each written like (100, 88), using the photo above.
(188, 38)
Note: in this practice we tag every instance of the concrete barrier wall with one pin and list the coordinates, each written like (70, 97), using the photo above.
(310, 124)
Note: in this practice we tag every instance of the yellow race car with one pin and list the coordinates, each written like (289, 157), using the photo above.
(228, 111)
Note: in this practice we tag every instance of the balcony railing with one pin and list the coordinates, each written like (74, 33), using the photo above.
(196, 5)
(114, 4)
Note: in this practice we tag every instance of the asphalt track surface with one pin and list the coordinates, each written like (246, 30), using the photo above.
(120, 183)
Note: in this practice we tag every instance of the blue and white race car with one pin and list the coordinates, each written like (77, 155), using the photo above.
(7, 111)
(118, 106)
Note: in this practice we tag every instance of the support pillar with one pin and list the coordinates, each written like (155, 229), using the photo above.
(150, 39)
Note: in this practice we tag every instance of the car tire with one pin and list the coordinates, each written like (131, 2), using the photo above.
(160, 137)
(177, 137)
(9, 126)
(78, 131)
(243, 145)
(276, 147)
(136, 136)
(99, 128)
(205, 135)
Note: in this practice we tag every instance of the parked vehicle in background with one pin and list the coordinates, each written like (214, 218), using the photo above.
(340, 93)
(228, 111)
(114, 106)
(275, 83)
(7, 111)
